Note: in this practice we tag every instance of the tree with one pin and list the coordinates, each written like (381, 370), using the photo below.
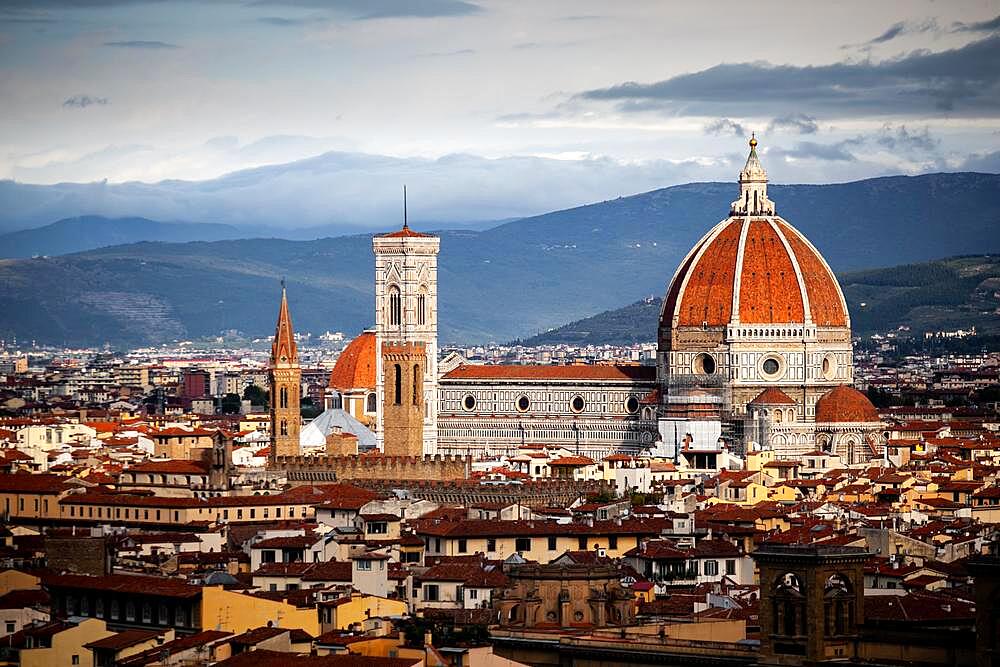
(308, 409)
(230, 404)
(256, 395)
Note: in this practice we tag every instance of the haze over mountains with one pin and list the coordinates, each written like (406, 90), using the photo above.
(509, 281)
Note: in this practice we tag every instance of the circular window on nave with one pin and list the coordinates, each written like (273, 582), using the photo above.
(523, 403)
(704, 364)
(829, 367)
(469, 402)
(772, 367)
(631, 405)
(577, 404)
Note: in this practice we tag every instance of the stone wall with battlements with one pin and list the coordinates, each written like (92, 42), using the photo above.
(309, 469)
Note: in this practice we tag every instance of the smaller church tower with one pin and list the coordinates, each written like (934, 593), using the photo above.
(286, 384)
(406, 341)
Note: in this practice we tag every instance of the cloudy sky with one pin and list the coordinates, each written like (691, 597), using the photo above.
(590, 99)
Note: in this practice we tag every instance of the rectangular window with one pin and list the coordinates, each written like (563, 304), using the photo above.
(581, 543)
(75, 659)
(730, 567)
(462, 546)
(431, 593)
(613, 542)
(491, 544)
(473, 593)
(10, 628)
(711, 568)
(552, 543)
(365, 565)
(522, 544)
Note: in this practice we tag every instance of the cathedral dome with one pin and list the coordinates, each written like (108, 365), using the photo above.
(845, 404)
(355, 367)
(754, 268)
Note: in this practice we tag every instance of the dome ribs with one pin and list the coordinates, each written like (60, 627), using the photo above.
(708, 295)
(769, 289)
(825, 304)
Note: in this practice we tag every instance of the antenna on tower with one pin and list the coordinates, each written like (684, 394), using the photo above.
(282, 282)
(405, 221)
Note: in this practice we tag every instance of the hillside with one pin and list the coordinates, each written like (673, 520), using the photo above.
(945, 295)
(93, 231)
(513, 280)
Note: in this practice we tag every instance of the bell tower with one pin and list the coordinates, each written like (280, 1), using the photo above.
(406, 340)
(286, 384)
(811, 603)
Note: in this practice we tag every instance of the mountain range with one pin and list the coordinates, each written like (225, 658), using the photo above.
(512, 280)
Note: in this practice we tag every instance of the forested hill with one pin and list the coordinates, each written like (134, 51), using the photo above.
(949, 294)
(513, 280)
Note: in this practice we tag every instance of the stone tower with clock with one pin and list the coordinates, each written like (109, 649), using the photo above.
(406, 342)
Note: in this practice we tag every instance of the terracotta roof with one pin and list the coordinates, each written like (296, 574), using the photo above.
(170, 467)
(33, 483)
(406, 233)
(770, 291)
(917, 607)
(845, 404)
(125, 583)
(550, 372)
(772, 396)
(283, 348)
(124, 639)
(574, 461)
(355, 368)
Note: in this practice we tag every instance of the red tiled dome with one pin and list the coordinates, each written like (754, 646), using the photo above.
(845, 404)
(781, 276)
(355, 368)
(772, 396)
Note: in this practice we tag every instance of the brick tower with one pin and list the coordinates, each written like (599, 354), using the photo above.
(286, 384)
(406, 339)
(811, 603)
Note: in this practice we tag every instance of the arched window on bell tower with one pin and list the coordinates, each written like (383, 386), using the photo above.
(422, 306)
(398, 398)
(416, 384)
(395, 306)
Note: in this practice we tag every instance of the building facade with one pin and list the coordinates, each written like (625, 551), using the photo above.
(754, 352)
(406, 340)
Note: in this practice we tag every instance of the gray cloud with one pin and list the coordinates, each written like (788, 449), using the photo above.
(285, 22)
(84, 101)
(380, 9)
(447, 54)
(810, 150)
(901, 138)
(795, 122)
(980, 26)
(726, 126)
(141, 44)
(904, 28)
(961, 81)
(982, 162)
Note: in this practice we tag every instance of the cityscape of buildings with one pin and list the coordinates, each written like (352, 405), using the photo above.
(754, 486)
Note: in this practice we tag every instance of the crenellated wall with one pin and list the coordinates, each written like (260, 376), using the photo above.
(398, 468)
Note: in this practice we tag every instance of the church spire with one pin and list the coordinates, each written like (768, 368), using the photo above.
(283, 349)
(753, 187)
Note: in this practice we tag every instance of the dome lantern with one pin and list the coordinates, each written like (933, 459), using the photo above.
(753, 187)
